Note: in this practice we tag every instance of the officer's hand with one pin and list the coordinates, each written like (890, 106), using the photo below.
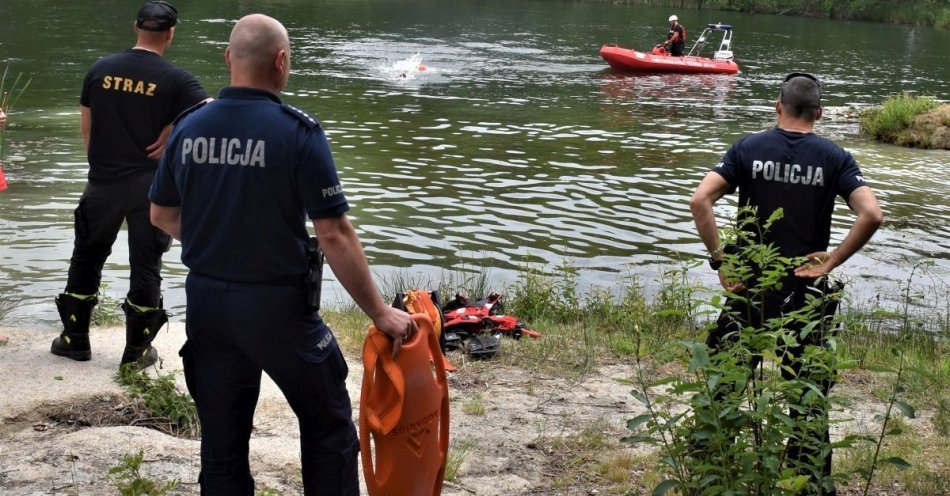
(3, 119)
(819, 264)
(730, 285)
(156, 149)
(396, 324)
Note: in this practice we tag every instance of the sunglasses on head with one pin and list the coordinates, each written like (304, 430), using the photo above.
(804, 75)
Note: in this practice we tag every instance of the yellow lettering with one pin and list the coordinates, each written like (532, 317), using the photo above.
(129, 85)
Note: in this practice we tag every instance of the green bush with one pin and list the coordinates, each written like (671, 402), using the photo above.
(943, 19)
(162, 398)
(726, 424)
(891, 121)
(130, 482)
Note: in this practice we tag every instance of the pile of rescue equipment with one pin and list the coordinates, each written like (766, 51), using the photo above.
(474, 327)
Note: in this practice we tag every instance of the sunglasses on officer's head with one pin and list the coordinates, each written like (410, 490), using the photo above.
(804, 75)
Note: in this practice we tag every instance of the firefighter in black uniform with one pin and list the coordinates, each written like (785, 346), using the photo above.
(129, 100)
(238, 181)
(791, 168)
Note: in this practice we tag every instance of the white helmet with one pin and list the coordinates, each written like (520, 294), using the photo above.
(674, 18)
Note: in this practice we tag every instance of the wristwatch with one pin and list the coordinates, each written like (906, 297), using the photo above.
(713, 263)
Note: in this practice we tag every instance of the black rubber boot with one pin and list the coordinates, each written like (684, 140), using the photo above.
(140, 330)
(73, 342)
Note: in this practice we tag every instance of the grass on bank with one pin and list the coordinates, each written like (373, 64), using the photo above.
(586, 329)
(583, 330)
(908, 120)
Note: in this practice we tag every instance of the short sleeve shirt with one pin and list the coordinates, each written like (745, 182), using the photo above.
(247, 171)
(800, 173)
(132, 95)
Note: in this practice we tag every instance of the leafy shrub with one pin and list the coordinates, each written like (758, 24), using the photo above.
(129, 481)
(742, 418)
(891, 121)
(162, 397)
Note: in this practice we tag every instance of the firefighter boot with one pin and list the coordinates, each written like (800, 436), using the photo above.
(140, 329)
(75, 313)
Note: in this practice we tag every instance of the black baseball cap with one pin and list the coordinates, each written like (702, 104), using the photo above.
(157, 16)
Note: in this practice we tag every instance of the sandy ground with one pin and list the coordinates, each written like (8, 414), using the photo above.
(513, 427)
(40, 455)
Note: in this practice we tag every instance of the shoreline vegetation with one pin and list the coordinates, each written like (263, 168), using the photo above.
(893, 351)
(909, 120)
(928, 13)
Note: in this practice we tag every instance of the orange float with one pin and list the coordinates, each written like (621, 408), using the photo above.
(421, 301)
(404, 414)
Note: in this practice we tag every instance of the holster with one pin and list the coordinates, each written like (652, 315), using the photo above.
(314, 278)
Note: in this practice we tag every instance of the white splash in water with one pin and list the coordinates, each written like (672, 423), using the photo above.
(406, 69)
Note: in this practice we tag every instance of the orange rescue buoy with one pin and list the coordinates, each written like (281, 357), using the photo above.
(3, 179)
(404, 411)
(420, 301)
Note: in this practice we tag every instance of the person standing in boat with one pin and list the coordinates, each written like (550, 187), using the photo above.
(676, 38)
(248, 308)
(792, 169)
(128, 102)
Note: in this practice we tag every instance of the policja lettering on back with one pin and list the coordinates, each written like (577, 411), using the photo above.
(224, 151)
(773, 171)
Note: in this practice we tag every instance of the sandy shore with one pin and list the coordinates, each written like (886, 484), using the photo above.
(42, 455)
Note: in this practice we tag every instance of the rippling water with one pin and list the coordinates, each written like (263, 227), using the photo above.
(515, 144)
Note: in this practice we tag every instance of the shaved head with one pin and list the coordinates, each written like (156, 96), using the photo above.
(801, 97)
(257, 43)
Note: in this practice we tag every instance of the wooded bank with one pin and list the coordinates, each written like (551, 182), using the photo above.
(932, 13)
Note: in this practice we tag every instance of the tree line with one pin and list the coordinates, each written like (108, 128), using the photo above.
(934, 13)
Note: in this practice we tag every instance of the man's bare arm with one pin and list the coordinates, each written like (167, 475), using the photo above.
(870, 217)
(710, 190)
(85, 125)
(344, 253)
(167, 219)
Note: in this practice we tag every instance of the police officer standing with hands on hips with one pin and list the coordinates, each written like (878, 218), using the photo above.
(128, 102)
(791, 168)
(238, 180)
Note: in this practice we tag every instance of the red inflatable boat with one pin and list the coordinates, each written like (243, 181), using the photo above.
(625, 59)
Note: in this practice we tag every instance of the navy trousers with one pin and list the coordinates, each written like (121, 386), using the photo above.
(237, 330)
(98, 219)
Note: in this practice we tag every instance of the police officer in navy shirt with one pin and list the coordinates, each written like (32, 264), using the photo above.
(239, 178)
(129, 100)
(791, 168)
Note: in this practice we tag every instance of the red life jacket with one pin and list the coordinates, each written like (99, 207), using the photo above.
(672, 32)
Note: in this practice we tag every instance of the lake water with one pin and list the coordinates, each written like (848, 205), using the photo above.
(516, 145)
